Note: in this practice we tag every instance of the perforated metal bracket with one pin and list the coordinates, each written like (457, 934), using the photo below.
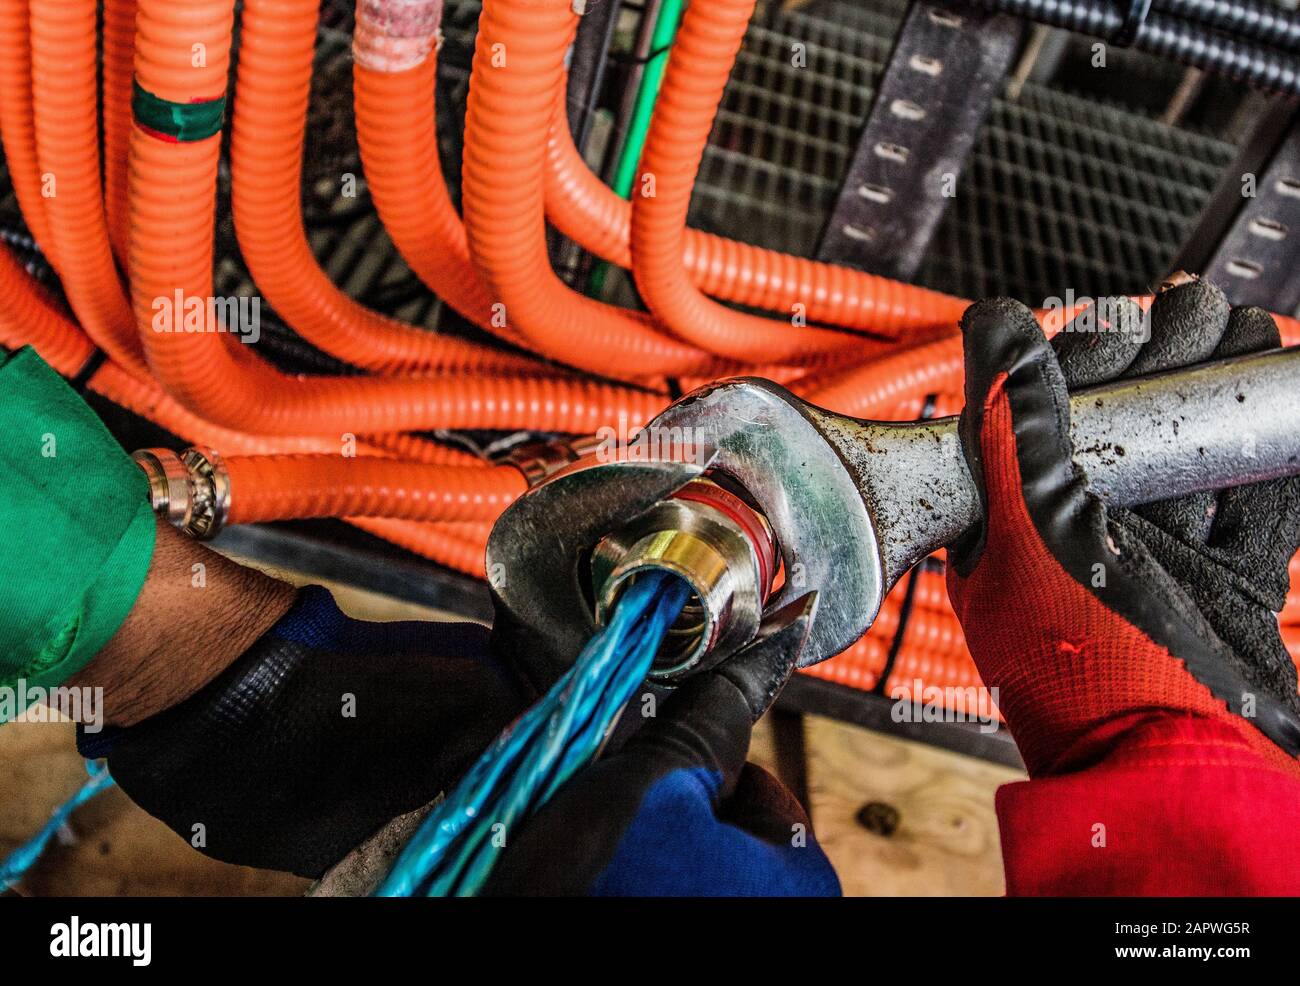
(946, 66)
(1248, 238)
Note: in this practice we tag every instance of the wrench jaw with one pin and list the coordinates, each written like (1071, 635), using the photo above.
(750, 434)
(771, 444)
(539, 551)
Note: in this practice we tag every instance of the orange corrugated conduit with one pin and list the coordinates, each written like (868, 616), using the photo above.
(213, 375)
(697, 73)
(118, 71)
(518, 62)
(587, 211)
(277, 45)
(17, 126)
(65, 98)
(30, 317)
(283, 487)
(397, 136)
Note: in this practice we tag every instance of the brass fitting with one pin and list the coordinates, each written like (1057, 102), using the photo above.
(718, 545)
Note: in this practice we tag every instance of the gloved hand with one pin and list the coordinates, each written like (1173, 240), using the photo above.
(676, 812)
(328, 727)
(323, 731)
(1088, 619)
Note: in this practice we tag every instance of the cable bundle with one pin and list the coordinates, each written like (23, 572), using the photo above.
(456, 847)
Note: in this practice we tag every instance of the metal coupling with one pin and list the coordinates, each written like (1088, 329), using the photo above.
(190, 489)
(720, 546)
(539, 461)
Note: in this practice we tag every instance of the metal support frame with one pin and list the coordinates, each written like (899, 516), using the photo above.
(1248, 244)
(813, 696)
(946, 67)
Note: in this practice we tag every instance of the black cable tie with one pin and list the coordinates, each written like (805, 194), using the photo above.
(88, 370)
(674, 387)
(630, 59)
(1133, 21)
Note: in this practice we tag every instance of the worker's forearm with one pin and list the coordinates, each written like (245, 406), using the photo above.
(1178, 805)
(195, 615)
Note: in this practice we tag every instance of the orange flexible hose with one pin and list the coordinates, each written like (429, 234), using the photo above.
(30, 317)
(171, 251)
(932, 367)
(118, 71)
(587, 211)
(277, 45)
(146, 400)
(518, 61)
(396, 132)
(65, 99)
(17, 127)
(417, 449)
(284, 487)
(397, 137)
(698, 68)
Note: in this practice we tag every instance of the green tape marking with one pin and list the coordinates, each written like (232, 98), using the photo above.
(181, 122)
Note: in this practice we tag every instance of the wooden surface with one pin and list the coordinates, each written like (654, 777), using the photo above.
(118, 849)
(946, 840)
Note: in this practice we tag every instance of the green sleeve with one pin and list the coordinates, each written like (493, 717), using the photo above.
(76, 530)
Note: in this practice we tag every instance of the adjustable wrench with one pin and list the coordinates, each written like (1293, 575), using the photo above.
(845, 506)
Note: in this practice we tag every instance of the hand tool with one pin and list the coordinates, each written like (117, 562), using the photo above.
(791, 523)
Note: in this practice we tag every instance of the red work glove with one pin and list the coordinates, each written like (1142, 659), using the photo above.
(1136, 653)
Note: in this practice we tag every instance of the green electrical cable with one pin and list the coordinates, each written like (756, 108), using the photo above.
(647, 94)
(661, 39)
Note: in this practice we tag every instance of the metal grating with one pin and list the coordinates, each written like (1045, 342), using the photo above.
(1061, 192)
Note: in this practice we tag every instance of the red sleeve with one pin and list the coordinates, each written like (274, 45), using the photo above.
(1177, 805)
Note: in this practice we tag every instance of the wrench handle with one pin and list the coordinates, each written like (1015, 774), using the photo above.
(1212, 426)
(1140, 440)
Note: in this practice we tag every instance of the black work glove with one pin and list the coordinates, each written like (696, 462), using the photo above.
(323, 731)
(1083, 615)
(676, 812)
